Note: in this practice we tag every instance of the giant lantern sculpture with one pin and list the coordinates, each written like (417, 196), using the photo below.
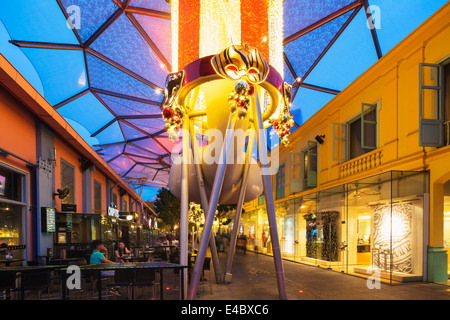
(228, 100)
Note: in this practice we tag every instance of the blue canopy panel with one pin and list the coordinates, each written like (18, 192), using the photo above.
(152, 126)
(62, 72)
(350, 56)
(19, 60)
(108, 78)
(87, 111)
(158, 5)
(39, 21)
(159, 31)
(130, 132)
(112, 134)
(304, 51)
(87, 16)
(123, 43)
(81, 130)
(126, 107)
(301, 14)
(122, 165)
(153, 145)
(134, 149)
(112, 152)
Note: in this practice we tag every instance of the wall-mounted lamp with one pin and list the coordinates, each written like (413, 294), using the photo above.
(319, 139)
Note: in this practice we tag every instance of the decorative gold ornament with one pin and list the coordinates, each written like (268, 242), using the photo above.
(241, 63)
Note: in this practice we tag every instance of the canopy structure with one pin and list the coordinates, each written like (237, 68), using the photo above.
(102, 64)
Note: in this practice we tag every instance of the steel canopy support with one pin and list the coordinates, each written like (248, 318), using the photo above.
(269, 196)
(240, 203)
(204, 199)
(215, 192)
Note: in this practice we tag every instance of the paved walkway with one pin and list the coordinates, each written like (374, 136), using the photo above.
(254, 279)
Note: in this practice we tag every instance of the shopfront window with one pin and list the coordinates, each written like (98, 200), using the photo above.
(68, 181)
(97, 197)
(115, 199)
(12, 211)
(281, 181)
(372, 227)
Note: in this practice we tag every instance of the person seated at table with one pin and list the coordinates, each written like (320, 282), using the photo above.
(97, 257)
(122, 253)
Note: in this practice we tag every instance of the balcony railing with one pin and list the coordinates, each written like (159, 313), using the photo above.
(363, 163)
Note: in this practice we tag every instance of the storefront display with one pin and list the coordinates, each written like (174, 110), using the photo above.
(372, 224)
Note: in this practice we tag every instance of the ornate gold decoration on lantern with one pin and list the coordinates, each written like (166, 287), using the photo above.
(171, 111)
(285, 121)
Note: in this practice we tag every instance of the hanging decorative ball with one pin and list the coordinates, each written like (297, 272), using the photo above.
(173, 136)
(242, 113)
(167, 126)
(241, 87)
(168, 113)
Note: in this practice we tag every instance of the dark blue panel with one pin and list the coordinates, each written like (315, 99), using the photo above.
(300, 14)
(92, 14)
(288, 77)
(122, 43)
(130, 133)
(109, 153)
(124, 107)
(159, 30)
(158, 5)
(304, 51)
(149, 125)
(62, 72)
(87, 111)
(106, 77)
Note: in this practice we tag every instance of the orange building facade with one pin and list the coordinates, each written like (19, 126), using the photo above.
(57, 194)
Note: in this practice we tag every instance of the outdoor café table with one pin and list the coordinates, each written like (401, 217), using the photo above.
(62, 261)
(8, 262)
(98, 268)
(22, 270)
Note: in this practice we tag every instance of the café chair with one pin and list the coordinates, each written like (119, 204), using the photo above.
(122, 278)
(7, 284)
(36, 281)
(145, 278)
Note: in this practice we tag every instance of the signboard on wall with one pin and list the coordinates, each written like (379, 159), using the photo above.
(2, 185)
(48, 220)
(113, 212)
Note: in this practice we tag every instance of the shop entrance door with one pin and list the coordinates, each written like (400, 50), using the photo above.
(125, 236)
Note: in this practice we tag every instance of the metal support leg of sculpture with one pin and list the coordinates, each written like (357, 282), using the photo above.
(262, 149)
(204, 200)
(184, 202)
(240, 203)
(215, 193)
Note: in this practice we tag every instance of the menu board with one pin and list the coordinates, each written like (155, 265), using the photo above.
(48, 220)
